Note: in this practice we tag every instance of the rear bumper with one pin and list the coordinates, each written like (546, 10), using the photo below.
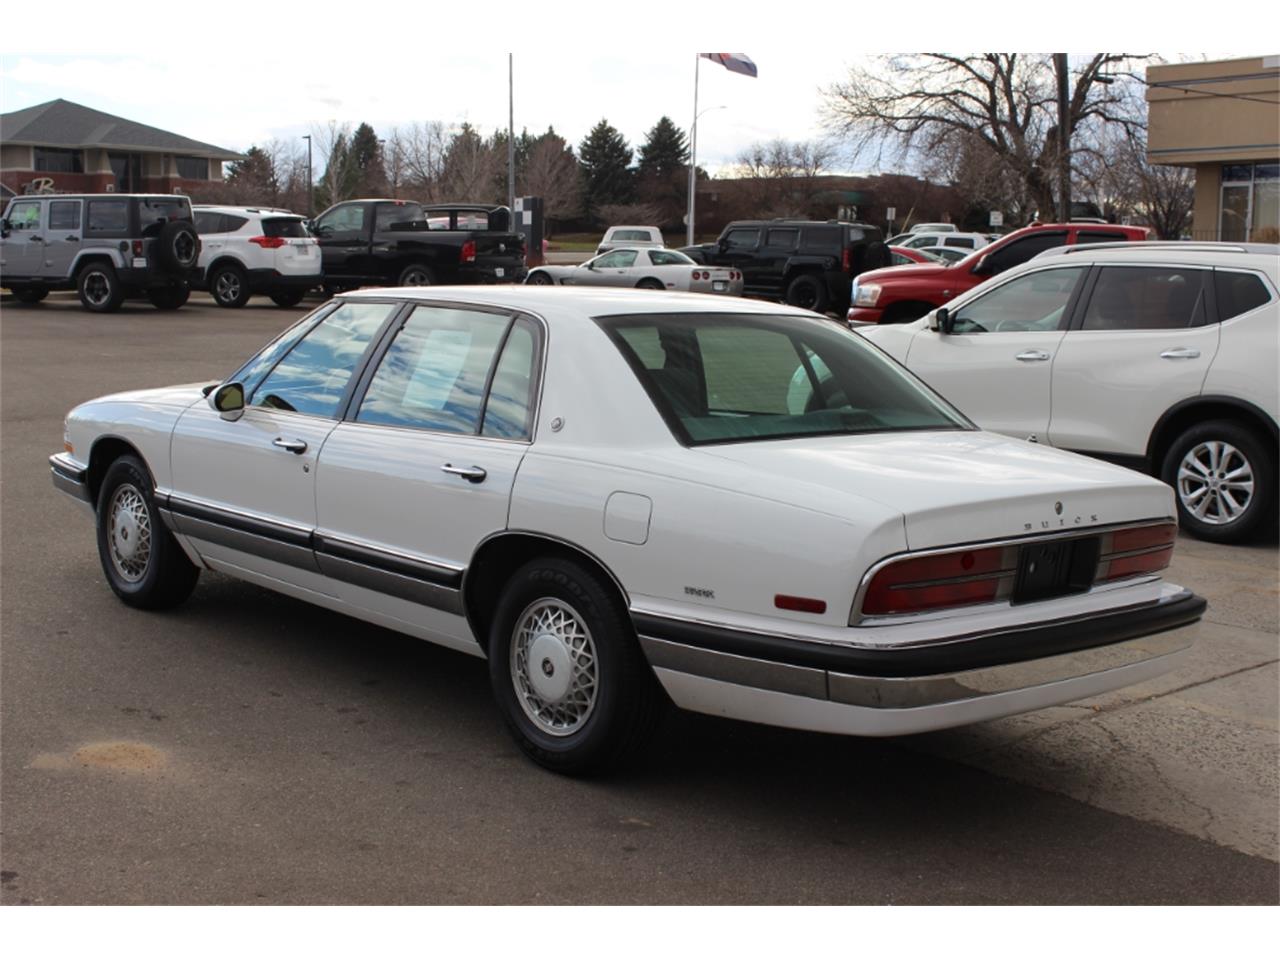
(886, 691)
(267, 279)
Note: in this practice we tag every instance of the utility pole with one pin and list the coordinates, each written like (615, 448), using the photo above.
(511, 142)
(311, 193)
(1064, 139)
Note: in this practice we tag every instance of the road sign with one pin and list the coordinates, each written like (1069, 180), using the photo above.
(997, 218)
(891, 213)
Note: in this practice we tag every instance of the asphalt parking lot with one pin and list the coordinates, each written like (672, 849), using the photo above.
(250, 748)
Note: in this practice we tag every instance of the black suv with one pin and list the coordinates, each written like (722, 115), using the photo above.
(107, 246)
(807, 263)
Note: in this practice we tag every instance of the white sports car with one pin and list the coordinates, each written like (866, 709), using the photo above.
(609, 494)
(644, 267)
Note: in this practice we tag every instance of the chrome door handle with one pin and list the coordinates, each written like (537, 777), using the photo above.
(1032, 356)
(293, 446)
(473, 474)
(1181, 353)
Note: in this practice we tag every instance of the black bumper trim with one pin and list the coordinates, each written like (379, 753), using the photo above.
(1032, 642)
(70, 479)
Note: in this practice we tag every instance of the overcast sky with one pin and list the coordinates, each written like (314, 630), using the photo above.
(235, 73)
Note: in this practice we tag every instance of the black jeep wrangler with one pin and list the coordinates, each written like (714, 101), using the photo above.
(806, 263)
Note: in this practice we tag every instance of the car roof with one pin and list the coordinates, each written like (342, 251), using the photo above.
(1249, 255)
(228, 208)
(581, 303)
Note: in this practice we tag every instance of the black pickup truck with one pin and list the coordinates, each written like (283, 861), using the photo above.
(405, 244)
(807, 263)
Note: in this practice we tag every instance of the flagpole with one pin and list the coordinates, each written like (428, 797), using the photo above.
(693, 153)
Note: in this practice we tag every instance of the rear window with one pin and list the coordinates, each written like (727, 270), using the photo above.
(1238, 293)
(820, 239)
(163, 208)
(283, 227)
(107, 216)
(734, 378)
(632, 235)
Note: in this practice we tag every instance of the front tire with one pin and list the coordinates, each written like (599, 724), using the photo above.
(229, 287)
(1223, 479)
(142, 561)
(99, 288)
(566, 669)
(808, 292)
(539, 279)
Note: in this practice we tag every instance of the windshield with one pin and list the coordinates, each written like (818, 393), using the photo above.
(721, 378)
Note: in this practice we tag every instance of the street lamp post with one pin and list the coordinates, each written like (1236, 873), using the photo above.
(310, 190)
(693, 166)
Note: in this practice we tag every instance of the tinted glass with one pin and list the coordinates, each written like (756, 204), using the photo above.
(1020, 251)
(630, 235)
(24, 215)
(1099, 236)
(312, 377)
(1238, 293)
(163, 208)
(742, 239)
(781, 238)
(821, 239)
(231, 223)
(735, 378)
(108, 216)
(53, 160)
(283, 227)
(510, 406)
(64, 215)
(1036, 301)
(667, 258)
(1146, 298)
(434, 374)
(343, 219)
(958, 242)
(207, 222)
(390, 215)
(1236, 172)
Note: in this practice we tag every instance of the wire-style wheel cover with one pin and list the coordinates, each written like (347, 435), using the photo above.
(553, 667)
(129, 533)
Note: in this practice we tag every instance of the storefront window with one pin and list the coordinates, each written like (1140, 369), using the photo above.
(1250, 202)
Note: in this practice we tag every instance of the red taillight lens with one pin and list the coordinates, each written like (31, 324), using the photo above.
(800, 604)
(846, 260)
(137, 248)
(269, 243)
(469, 252)
(1140, 550)
(928, 583)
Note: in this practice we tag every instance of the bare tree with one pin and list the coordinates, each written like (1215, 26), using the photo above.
(551, 172)
(782, 175)
(470, 168)
(1116, 174)
(1007, 101)
(419, 150)
(332, 142)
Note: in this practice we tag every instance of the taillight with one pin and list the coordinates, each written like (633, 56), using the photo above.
(469, 252)
(954, 579)
(846, 260)
(269, 243)
(137, 248)
(1134, 552)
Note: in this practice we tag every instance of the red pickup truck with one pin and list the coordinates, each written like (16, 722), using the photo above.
(901, 294)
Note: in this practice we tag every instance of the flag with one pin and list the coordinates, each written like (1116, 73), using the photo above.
(737, 62)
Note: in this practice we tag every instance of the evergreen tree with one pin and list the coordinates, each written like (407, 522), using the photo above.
(605, 159)
(364, 155)
(664, 150)
(253, 179)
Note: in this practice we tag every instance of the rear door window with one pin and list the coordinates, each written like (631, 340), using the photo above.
(64, 215)
(1147, 298)
(781, 238)
(107, 216)
(820, 239)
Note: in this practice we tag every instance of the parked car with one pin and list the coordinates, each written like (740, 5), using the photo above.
(630, 237)
(645, 267)
(1159, 356)
(907, 293)
(901, 256)
(932, 228)
(109, 247)
(248, 250)
(967, 242)
(605, 492)
(404, 244)
(808, 264)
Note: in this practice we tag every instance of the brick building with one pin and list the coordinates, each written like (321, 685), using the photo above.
(87, 151)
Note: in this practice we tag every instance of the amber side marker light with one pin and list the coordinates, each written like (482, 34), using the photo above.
(800, 604)
(67, 446)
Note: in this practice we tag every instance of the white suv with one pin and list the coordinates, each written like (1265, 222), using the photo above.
(1158, 356)
(250, 250)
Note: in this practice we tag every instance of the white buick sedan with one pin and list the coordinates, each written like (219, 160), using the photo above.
(610, 494)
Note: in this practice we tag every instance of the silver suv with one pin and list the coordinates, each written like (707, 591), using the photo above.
(108, 247)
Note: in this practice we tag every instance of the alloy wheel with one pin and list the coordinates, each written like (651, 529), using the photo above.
(1215, 482)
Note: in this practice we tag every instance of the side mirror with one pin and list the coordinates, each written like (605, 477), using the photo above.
(982, 267)
(942, 321)
(723, 244)
(228, 400)
(590, 264)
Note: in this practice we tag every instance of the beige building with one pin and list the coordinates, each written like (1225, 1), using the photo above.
(1222, 118)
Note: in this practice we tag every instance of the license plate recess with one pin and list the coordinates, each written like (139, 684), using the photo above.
(1056, 568)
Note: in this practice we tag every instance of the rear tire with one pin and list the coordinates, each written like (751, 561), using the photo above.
(1224, 480)
(648, 283)
(808, 292)
(416, 275)
(567, 671)
(288, 298)
(30, 294)
(99, 288)
(229, 286)
(142, 561)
